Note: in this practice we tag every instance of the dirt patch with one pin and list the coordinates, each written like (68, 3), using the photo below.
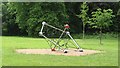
(71, 52)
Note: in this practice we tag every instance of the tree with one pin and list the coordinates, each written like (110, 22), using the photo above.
(29, 15)
(101, 19)
(26, 17)
(84, 16)
(9, 27)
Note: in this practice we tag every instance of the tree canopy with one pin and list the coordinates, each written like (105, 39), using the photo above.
(24, 18)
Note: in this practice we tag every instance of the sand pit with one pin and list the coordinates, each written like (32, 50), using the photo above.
(71, 52)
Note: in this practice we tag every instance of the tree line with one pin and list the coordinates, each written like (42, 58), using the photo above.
(24, 18)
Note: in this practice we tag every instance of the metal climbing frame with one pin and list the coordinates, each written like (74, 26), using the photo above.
(56, 44)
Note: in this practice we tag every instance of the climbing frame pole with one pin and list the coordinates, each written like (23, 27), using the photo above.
(65, 31)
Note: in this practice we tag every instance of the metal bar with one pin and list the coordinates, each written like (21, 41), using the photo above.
(48, 43)
(51, 41)
(54, 27)
(46, 39)
(57, 43)
(73, 40)
(42, 27)
(61, 35)
(72, 44)
(66, 43)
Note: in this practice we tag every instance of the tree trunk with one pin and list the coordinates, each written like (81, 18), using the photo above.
(83, 31)
(100, 35)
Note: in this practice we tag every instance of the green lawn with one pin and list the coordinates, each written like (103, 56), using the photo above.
(0, 52)
(11, 58)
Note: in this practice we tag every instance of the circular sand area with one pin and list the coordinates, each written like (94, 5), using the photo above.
(71, 52)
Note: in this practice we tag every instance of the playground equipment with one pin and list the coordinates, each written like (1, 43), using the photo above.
(57, 44)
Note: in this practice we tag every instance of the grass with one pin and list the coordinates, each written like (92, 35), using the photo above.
(0, 52)
(11, 58)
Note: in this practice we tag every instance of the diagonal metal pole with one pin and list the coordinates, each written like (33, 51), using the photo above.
(63, 31)
(68, 33)
(54, 27)
(51, 41)
(60, 37)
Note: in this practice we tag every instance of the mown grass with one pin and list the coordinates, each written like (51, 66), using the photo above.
(11, 58)
(0, 51)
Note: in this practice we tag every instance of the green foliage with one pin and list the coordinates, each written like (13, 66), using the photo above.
(8, 20)
(30, 15)
(0, 10)
(24, 18)
(101, 18)
(84, 16)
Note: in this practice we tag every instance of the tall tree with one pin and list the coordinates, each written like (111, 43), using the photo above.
(84, 16)
(30, 15)
(101, 19)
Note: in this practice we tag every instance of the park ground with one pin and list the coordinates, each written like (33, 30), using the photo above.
(11, 58)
